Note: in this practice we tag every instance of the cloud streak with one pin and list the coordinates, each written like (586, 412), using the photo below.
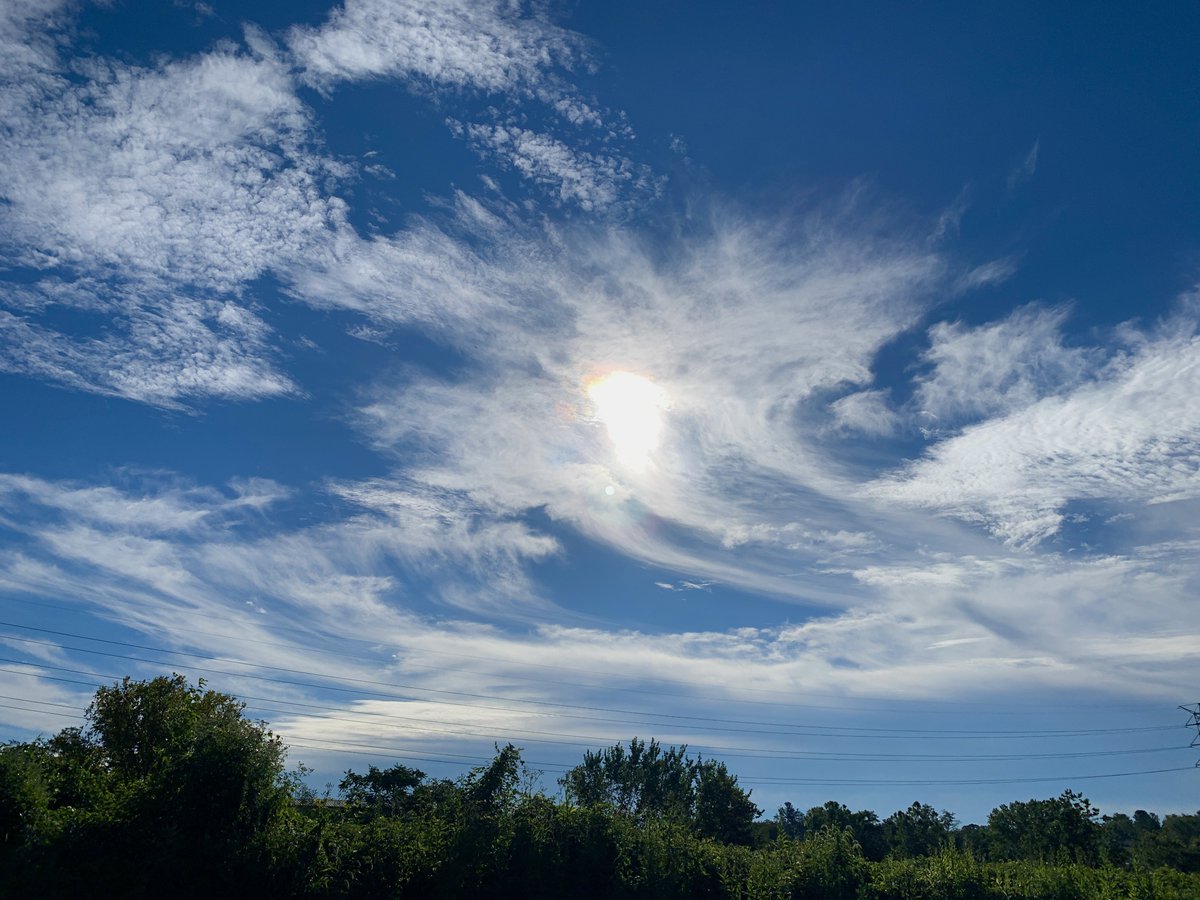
(1128, 436)
(490, 46)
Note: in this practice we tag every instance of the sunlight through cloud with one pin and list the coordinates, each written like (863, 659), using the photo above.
(631, 408)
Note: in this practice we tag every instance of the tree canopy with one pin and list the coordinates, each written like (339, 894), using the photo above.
(647, 781)
(170, 791)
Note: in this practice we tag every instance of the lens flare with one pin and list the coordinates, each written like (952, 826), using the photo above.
(631, 408)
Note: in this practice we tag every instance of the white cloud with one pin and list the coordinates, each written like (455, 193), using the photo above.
(866, 412)
(195, 172)
(423, 275)
(743, 328)
(999, 366)
(163, 351)
(492, 45)
(28, 30)
(150, 193)
(995, 271)
(156, 194)
(171, 544)
(178, 565)
(38, 706)
(163, 509)
(592, 181)
(1129, 436)
(509, 51)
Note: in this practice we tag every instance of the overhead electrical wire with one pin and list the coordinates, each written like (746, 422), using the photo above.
(851, 730)
(763, 781)
(993, 709)
(508, 676)
(587, 741)
(356, 747)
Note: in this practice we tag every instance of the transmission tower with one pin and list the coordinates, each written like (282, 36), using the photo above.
(1193, 711)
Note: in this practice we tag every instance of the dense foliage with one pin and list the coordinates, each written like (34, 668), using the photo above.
(170, 792)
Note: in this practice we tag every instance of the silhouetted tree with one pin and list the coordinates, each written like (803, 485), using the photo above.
(790, 820)
(919, 830)
(647, 781)
(1064, 826)
(864, 825)
(381, 791)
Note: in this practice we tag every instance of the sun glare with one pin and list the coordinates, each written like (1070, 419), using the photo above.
(631, 408)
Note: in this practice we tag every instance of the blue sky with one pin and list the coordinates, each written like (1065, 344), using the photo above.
(812, 385)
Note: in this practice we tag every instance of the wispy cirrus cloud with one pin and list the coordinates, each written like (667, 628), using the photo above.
(151, 197)
(140, 201)
(170, 508)
(164, 351)
(1027, 167)
(162, 562)
(195, 172)
(206, 573)
(512, 51)
(593, 181)
(866, 412)
(492, 46)
(1128, 435)
(743, 328)
(999, 366)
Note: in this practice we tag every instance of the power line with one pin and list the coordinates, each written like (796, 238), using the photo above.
(897, 733)
(1193, 711)
(44, 712)
(42, 702)
(588, 741)
(386, 751)
(731, 752)
(932, 781)
(993, 709)
(340, 746)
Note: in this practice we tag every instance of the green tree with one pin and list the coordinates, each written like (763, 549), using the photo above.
(790, 821)
(1063, 827)
(973, 839)
(387, 792)
(647, 782)
(864, 825)
(723, 810)
(166, 791)
(641, 781)
(919, 830)
(493, 789)
(25, 795)
(1118, 834)
(1176, 844)
(188, 760)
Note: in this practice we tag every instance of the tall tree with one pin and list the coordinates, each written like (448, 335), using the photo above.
(641, 781)
(648, 781)
(186, 757)
(864, 825)
(381, 791)
(1060, 827)
(919, 830)
(790, 821)
(164, 792)
(723, 810)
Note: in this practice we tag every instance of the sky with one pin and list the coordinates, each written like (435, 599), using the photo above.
(812, 384)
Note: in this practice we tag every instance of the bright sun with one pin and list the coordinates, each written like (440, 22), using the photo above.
(631, 408)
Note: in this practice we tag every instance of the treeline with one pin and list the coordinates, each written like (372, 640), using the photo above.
(169, 791)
